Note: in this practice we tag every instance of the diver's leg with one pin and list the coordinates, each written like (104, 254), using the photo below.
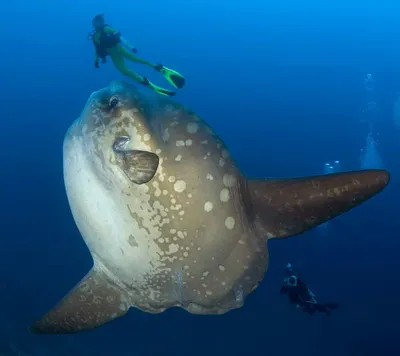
(311, 310)
(173, 77)
(118, 57)
(130, 56)
(119, 62)
(322, 308)
(332, 305)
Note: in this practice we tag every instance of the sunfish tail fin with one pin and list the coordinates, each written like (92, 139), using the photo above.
(286, 207)
(95, 300)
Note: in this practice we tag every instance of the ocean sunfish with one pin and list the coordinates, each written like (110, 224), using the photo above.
(168, 217)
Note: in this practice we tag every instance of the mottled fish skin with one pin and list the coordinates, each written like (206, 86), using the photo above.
(168, 217)
(188, 221)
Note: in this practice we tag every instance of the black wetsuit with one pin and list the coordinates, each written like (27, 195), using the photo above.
(302, 296)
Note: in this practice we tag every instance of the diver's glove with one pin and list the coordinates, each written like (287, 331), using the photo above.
(96, 64)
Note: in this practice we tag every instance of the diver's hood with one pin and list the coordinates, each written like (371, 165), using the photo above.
(291, 281)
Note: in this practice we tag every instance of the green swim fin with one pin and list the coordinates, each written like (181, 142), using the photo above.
(157, 89)
(175, 78)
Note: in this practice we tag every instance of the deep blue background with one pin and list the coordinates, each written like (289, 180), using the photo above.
(283, 85)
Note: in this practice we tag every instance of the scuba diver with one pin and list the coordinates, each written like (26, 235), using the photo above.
(109, 42)
(301, 295)
(369, 82)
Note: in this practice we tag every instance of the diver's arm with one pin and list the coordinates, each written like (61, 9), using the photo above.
(125, 42)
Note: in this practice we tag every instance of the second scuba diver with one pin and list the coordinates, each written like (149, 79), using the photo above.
(109, 42)
(301, 295)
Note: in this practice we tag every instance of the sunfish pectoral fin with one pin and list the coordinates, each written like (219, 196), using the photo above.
(139, 166)
(96, 300)
(287, 207)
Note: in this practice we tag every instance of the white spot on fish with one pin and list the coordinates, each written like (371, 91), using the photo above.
(229, 180)
(208, 206)
(188, 142)
(192, 127)
(209, 176)
(158, 151)
(173, 248)
(165, 135)
(238, 294)
(224, 195)
(221, 162)
(221, 268)
(180, 186)
(146, 137)
(225, 154)
(230, 222)
(157, 191)
(171, 179)
(178, 158)
(205, 142)
(180, 143)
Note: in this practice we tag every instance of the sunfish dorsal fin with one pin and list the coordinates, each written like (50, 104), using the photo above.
(286, 207)
(96, 300)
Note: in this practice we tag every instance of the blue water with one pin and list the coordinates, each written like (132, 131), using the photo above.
(282, 84)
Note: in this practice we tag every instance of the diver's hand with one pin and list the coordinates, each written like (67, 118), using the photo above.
(96, 64)
(134, 50)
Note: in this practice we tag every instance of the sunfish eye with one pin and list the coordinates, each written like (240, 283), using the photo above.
(113, 102)
(120, 143)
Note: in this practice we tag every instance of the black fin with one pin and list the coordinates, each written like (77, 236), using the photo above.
(165, 92)
(178, 81)
(287, 207)
(96, 300)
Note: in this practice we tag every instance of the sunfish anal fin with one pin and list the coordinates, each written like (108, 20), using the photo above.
(94, 301)
(286, 207)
